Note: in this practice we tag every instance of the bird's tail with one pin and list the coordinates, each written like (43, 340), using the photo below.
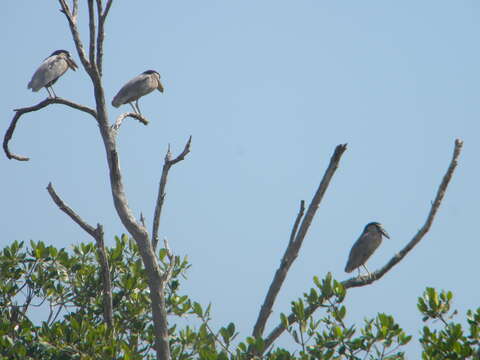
(115, 102)
(348, 268)
(31, 85)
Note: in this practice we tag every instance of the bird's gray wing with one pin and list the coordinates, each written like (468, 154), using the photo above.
(50, 70)
(132, 90)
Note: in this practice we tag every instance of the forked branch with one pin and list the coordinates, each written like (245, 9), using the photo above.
(40, 105)
(363, 281)
(169, 162)
(296, 240)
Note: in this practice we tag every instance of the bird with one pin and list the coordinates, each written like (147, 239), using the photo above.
(365, 246)
(50, 70)
(139, 86)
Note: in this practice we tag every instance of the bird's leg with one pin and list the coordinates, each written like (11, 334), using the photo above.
(368, 272)
(136, 103)
(54, 95)
(49, 93)
(133, 107)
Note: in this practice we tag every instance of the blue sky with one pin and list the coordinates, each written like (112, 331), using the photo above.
(266, 89)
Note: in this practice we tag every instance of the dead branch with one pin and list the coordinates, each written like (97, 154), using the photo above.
(92, 28)
(169, 162)
(116, 126)
(136, 229)
(377, 275)
(297, 221)
(40, 105)
(107, 8)
(296, 240)
(97, 234)
(72, 22)
(102, 17)
(167, 275)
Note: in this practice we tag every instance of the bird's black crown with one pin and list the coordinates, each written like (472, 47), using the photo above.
(58, 52)
(150, 72)
(373, 223)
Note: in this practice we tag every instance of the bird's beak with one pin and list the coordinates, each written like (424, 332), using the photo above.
(72, 64)
(384, 233)
(160, 86)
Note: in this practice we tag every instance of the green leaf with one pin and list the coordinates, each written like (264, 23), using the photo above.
(197, 309)
(284, 320)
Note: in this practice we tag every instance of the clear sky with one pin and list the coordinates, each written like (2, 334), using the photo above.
(266, 89)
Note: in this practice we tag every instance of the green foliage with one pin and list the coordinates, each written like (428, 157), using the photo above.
(331, 338)
(449, 341)
(66, 287)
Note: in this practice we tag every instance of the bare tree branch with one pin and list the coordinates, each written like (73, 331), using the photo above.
(363, 281)
(169, 162)
(40, 105)
(75, 8)
(115, 127)
(72, 22)
(91, 26)
(97, 234)
(297, 221)
(100, 36)
(107, 8)
(296, 240)
(69, 211)
(102, 17)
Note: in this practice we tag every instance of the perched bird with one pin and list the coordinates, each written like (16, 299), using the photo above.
(51, 69)
(365, 246)
(139, 86)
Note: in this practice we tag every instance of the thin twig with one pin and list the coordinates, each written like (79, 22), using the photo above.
(168, 274)
(295, 243)
(56, 315)
(169, 162)
(297, 221)
(166, 246)
(363, 281)
(97, 234)
(116, 126)
(217, 339)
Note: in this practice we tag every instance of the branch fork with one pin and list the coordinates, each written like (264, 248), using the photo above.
(168, 163)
